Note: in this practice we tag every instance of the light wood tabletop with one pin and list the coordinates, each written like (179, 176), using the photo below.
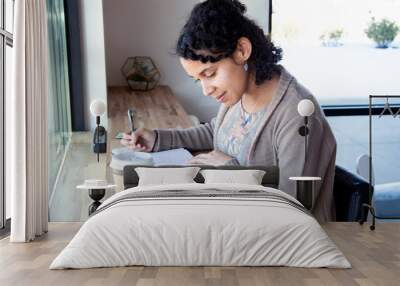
(374, 255)
(157, 108)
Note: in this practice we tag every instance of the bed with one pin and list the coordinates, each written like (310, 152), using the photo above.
(198, 224)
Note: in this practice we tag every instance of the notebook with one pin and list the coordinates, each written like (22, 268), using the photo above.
(125, 156)
(171, 157)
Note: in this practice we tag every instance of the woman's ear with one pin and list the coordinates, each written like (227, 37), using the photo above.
(243, 51)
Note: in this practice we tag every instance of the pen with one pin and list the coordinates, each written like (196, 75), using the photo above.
(131, 115)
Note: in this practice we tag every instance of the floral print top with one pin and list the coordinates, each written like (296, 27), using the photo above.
(237, 132)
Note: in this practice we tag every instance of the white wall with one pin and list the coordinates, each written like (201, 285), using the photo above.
(151, 28)
(93, 57)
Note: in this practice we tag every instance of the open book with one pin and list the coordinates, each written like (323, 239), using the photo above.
(125, 156)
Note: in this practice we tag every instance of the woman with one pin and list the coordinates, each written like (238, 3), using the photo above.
(258, 122)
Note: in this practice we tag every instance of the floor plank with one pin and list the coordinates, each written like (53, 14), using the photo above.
(375, 257)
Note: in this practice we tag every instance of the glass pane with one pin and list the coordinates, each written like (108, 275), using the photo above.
(328, 49)
(59, 112)
(9, 15)
(8, 87)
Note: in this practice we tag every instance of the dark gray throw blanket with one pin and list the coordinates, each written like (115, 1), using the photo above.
(206, 194)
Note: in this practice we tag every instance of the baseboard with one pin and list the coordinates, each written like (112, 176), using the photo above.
(5, 231)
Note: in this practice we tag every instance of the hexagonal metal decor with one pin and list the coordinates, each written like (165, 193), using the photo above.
(141, 73)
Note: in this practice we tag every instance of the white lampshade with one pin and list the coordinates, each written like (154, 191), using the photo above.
(97, 107)
(306, 107)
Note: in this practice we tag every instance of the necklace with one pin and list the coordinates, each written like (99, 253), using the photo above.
(244, 116)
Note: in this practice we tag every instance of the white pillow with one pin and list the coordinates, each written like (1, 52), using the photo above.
(164, 176)
(248, 177)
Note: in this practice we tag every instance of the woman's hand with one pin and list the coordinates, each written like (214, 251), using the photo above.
(215, 158)
(142, 140)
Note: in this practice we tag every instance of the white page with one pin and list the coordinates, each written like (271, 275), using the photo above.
(171, 157)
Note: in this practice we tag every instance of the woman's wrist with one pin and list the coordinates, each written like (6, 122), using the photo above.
(232, 162)
(155, 140)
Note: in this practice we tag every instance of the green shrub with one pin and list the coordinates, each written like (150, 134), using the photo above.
(332, 38)
(382, 33)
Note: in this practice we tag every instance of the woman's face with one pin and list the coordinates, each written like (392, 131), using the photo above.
(225, 80)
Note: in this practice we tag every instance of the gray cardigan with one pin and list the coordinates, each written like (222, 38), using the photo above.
(277, 142)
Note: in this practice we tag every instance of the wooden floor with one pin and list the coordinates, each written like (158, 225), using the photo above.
(375, 257)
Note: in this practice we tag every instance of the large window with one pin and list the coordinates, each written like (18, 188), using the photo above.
(59, 108)
(342, 50)
(6, 44)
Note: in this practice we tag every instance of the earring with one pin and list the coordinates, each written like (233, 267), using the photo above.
(246, 67)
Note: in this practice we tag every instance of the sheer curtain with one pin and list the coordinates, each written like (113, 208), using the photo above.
(27, 123)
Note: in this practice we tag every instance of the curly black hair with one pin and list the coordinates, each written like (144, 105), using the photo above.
(215, 26)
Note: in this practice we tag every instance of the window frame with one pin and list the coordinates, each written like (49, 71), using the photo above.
(338, 109)
(6, 39)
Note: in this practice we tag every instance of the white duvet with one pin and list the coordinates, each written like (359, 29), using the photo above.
(188, 231)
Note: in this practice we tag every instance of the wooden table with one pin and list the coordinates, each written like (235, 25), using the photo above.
(157, 108)
(374, 255)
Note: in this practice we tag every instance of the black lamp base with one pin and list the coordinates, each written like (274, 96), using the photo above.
(96, 195)
(304, 193)
(305, 190)
(100, 140)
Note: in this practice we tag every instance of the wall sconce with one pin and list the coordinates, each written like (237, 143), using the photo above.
(305, 108)
(98, 108)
